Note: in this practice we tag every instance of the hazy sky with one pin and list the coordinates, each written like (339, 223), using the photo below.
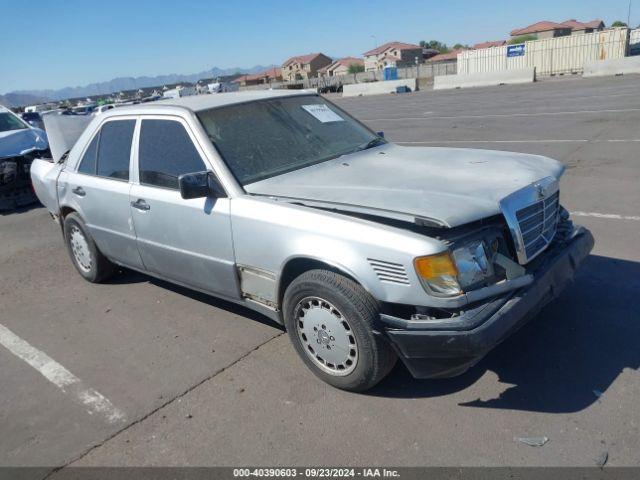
(54, 44)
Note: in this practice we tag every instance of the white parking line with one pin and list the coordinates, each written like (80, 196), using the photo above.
(549, 140)
(62, 378)
(433, 142)
(612, 216)
(507, 115)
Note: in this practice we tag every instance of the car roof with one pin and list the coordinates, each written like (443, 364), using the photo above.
(198, 103)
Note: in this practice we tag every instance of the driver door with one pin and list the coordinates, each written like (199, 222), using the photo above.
(186, 241)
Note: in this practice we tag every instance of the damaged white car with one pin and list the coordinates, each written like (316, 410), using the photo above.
(20, 143)
(364, 250)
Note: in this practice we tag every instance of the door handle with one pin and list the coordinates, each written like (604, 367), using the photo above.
(79, 191)
(140, 204)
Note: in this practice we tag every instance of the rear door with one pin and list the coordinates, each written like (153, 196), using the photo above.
(187, 241)
(99, 190)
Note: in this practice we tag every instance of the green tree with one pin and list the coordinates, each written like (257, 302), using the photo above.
(459, 46)
(618, 23)
(436, 45)
(522, 39)
(355, 68)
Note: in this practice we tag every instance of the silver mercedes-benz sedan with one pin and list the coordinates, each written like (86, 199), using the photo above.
(364, 250)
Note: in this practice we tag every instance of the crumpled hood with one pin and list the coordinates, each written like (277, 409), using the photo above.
(451, 185)
(14, 142)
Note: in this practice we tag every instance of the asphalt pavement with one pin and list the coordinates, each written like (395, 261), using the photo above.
(179, 378)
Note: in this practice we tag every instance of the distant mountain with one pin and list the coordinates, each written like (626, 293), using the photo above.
(26, 97)
(16, 99)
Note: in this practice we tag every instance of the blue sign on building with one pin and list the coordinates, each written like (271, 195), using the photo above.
(515, 50)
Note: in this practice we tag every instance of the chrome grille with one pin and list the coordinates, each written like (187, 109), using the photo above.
(532, 217)
(538, 224)
(389, 272)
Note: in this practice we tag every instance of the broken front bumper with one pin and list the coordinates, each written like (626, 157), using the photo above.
(446, 348)
(15, 183)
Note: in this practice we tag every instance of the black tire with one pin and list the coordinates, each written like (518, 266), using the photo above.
(100, 267)
(375, 357)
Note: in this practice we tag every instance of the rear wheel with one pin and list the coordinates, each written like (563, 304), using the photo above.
(84, 253)
(329, 319)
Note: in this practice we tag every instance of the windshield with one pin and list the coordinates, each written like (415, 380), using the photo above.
(265, 138)
(9, 121)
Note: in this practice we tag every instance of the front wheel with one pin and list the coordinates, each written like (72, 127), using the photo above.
(330, 319)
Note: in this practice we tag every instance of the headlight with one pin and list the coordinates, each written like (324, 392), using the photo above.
(473, 264)
(438, 274)
(449, 274)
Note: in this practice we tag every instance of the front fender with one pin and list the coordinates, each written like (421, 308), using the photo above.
(269, 234)
(364, 280)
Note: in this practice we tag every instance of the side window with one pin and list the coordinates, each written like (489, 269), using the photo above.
(165, 152)
(88, 162)
(114, 149)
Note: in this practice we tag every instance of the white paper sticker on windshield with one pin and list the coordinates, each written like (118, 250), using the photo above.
(323, 113)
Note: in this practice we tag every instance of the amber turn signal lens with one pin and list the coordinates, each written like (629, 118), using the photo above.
(436, 266)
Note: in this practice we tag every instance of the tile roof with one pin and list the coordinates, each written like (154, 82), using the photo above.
(241, 79)
(575, 25)
(270, 73)
(453, 55)
(545, 26)
(496, 43)
(387, 46)
(346, 61)
(302, 58)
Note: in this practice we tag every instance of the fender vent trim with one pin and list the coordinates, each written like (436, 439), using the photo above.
(389, 272)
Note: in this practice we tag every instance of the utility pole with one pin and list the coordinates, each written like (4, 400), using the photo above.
(629, 16)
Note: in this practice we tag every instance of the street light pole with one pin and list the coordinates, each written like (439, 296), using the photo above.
(629, 16)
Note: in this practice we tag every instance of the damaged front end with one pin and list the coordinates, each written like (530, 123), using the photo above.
(502, 271)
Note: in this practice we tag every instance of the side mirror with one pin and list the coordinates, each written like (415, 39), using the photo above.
(380, 134)
(200, 185)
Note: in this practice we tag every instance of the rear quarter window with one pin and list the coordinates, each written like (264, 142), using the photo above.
(88, 162)
(114, 149)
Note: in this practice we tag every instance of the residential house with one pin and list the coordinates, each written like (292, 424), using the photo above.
(546, 29)
(268, 76)
(584, 27)
(340, 67)
(273, 74)
(392, 54)
(242, 80)
(448, 57)
(304, 66)
(496, 43)
(428, 53)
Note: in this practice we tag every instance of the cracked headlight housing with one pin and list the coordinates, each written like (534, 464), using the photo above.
(473, 264)
(448, 274)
